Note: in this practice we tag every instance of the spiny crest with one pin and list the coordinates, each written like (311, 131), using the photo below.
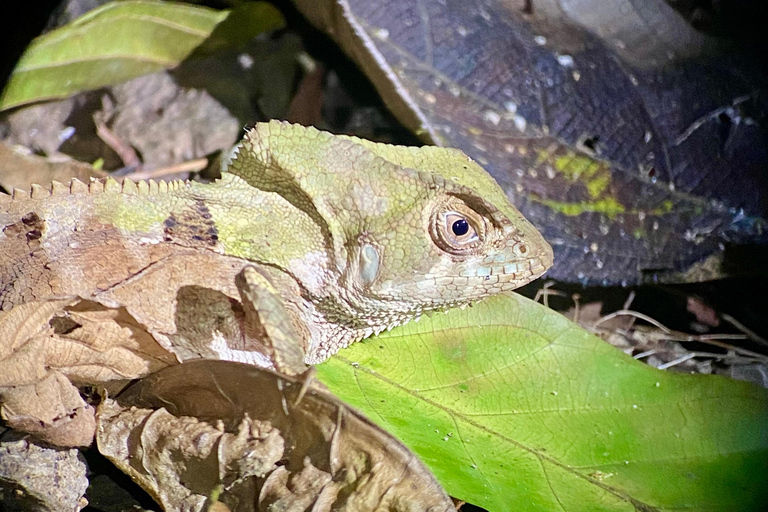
(279, 156)
(94, 187)
(268, 158)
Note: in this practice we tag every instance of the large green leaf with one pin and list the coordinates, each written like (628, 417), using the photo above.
(514, 407)
(123, 40)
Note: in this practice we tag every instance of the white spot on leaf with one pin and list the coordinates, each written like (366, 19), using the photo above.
(520, 122)
(491, 117)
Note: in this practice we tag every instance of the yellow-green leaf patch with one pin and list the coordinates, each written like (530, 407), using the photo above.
(514, 407)
(122, 40)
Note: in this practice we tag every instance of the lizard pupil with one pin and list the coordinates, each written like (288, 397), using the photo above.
(460, 227)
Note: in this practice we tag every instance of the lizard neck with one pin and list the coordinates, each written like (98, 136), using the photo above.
(265, 228)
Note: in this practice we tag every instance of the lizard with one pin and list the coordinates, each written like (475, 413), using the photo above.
(334, 238)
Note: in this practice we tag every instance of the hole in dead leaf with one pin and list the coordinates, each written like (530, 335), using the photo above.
(63, 325)
(588, 144)
(91, 395)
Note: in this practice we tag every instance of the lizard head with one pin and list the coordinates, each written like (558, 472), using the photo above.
(452, 236)
(405, 229)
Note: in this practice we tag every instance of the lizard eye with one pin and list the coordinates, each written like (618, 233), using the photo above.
(460, 227)
(457, 231)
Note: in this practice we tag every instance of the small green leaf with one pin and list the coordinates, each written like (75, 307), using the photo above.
(123, 40)
(514, 407)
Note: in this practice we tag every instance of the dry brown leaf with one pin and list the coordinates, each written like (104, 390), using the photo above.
(46, 343)
(22, 331)
(51, 409)
(21, 170)
(82, 339)
(274, 447)
(537, 92)
(181, 461)
(121, 319)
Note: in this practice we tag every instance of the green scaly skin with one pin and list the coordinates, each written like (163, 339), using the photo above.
(363, 233)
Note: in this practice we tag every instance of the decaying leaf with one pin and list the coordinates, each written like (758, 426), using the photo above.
(583, 113)
(142, 313)
(38, 478)
(47, 343)
(204, 431)
(51, 409)
(21, 171)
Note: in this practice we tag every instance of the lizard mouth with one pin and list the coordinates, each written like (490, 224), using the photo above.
(538, 266)
(502, 268)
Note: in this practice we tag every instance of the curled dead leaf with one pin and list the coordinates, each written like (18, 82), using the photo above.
(49, 343)
(111, 327)
(51, 409)
(207, 432)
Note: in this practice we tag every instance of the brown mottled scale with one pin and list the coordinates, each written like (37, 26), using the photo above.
(52, 246)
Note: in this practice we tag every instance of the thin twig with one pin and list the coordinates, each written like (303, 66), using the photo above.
(675, 362)
(743, 328)
(576, 307)
(188, 166)
(729, 356)
(629, 312)
(709, 339)
(627, 303)
(126, 153)
(546, 291)
(738, 350)
(645, 354)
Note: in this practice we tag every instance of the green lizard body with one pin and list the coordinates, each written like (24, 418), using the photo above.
(355, 237)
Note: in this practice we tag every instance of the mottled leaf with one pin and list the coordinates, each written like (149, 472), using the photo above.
(40, 478)
(514, 407)
(635, 144)
(123, 40)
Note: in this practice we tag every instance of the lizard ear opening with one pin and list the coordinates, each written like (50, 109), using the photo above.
(369, 263)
